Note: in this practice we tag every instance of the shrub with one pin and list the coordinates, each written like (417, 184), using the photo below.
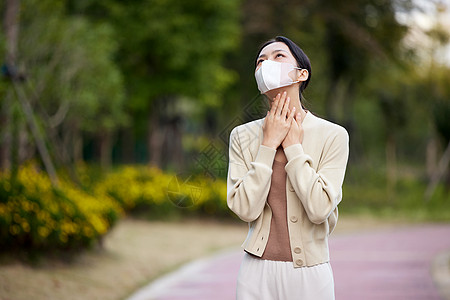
(150, 191)
(367, 191)
(37, 215)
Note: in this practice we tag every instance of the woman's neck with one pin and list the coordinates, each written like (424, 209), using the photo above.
(294, 96)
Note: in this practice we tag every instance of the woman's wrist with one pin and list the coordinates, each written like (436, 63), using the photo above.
(289, 143)
(269, 144)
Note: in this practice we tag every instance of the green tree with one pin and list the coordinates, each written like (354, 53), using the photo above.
(342, 38)
(169, 51)
(71, 81)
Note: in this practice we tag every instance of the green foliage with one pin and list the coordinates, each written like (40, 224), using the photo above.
(441, 113)
(366, 191)
(36, 215)
(170, 47)
(93, 67)
(70, 68)
(149, 192)
(438, 91)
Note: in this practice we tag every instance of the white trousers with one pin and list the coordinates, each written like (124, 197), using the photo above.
(260, 279)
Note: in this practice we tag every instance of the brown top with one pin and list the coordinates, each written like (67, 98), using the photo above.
(278, 246)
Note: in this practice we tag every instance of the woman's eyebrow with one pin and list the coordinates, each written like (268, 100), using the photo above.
(279, 50)
(273, 52)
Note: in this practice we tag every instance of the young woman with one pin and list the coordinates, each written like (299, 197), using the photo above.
(285, 179)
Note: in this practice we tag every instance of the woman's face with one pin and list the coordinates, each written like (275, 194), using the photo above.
(276, 51)
(280, 52)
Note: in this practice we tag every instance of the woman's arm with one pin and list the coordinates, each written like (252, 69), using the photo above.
(320, 192)
(247, 188)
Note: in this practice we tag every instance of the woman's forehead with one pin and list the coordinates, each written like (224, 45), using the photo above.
(267, 50)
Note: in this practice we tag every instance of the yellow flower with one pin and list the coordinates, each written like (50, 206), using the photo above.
(63, 237)
(3, 209)
(25, 226)
(43, 231)
(88, 231)
(7, 185)
(17, 218)
(14, 229)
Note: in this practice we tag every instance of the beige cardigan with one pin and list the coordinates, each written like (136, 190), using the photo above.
(315, 173)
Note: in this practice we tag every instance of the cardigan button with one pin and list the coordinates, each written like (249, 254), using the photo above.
(294, 219)
(298, 250)
(299, 262)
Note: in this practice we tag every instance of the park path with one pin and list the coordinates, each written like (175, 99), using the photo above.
(389, 264)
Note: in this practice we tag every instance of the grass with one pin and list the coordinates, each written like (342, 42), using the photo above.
(134, 253)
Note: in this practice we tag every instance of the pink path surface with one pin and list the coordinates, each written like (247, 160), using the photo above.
(381, 265)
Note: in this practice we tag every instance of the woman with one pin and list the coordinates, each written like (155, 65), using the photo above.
(285, 179)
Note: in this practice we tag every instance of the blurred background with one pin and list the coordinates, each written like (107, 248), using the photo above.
(116, 108)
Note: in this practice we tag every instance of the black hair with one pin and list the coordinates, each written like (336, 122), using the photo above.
(300, 56)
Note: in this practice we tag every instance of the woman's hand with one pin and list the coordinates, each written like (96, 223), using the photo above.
(295, 133)
(277, 122)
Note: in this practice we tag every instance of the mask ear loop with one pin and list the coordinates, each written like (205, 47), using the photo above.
(301, 95)
(298, 69)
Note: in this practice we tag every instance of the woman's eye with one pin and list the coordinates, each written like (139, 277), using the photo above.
(259, 61)
(279, 55)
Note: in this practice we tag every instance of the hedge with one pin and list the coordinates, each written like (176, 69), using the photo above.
(36, 215)
(148, 190)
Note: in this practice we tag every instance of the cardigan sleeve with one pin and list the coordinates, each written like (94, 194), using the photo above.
(319, 191)
(248, 187)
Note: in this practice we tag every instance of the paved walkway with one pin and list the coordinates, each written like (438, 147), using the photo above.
(376, 265)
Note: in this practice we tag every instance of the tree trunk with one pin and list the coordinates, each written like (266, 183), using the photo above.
(173, 145)
(441, 171)
(178, 157)
(35, 131)
(391, 163)
(127, 142)
(4, 142)
(11, 30)
(156, 137)
(11, 27)
(77, 146)
(105, 147)
(432, 156)
(5, 129)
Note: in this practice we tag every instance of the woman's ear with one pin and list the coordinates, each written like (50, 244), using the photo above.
(303, 75)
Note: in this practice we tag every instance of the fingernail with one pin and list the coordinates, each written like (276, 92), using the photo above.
(293, 108)
(288, 99)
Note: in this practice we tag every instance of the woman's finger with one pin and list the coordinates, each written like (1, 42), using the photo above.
(275, 102)
(285, 111)
(298, 119)
(280, 104)
(291, 116)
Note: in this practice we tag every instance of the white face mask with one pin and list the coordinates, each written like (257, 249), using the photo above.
(272, 75)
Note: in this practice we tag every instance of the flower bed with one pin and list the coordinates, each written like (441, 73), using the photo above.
(36, 215)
